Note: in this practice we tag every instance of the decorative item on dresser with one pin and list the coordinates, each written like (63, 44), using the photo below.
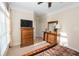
(26, 36)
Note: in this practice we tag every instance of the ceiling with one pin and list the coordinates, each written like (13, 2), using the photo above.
(41, 9)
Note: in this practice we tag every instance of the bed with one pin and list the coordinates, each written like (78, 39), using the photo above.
(53, 50)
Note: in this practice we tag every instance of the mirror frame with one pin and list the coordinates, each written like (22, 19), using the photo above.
(53, 22)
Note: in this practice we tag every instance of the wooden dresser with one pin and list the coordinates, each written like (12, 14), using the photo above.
(50, 37)
(26, 36)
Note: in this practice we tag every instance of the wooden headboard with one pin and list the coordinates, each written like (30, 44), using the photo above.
(50, 37)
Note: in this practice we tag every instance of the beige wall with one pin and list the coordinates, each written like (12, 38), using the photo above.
(17, 15)
(69, 19)
(40, 25)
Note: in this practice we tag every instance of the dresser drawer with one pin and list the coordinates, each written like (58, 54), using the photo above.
(28, 40)
(52, 38)
(26, 43)
(26, 36)
(27, 30)
(30, 37)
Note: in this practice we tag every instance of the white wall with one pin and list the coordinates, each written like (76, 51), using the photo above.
(17, 15)
(40, 25)
(69, 19)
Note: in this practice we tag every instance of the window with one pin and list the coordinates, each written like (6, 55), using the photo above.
(4, 33)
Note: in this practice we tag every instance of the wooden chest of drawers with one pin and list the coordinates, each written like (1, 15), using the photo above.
(26, 36)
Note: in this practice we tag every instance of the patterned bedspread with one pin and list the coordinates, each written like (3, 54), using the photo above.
(58, 51)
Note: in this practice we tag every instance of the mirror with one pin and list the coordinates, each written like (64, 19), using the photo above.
(52, 25)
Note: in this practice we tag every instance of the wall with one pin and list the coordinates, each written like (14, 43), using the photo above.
(17, 15)
(40, 25)
(69, 19)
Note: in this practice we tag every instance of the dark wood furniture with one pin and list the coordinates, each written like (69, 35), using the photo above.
(26, 36)
(50, 37)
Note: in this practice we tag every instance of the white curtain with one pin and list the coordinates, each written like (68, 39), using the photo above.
(4, 29)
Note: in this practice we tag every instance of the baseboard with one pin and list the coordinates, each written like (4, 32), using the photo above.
(73, 48)
(15, 44)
